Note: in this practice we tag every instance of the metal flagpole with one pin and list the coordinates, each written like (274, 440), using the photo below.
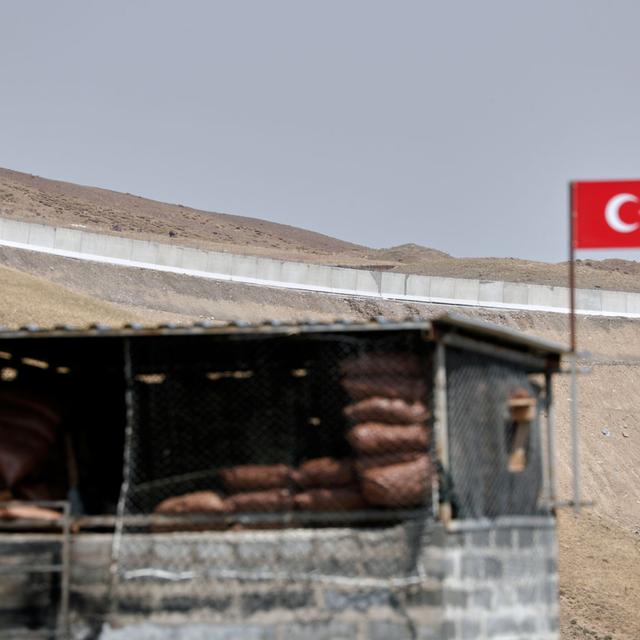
(574, 354)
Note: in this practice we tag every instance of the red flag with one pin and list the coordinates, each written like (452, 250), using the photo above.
(606, 214)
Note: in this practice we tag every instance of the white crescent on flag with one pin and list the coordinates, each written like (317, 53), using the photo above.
(612, 213)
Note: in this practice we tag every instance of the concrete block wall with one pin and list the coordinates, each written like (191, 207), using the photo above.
(502, 580)
(477, 579)
(114, 249)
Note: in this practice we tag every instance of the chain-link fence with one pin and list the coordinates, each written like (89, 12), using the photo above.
(324, 439)
(495, 452)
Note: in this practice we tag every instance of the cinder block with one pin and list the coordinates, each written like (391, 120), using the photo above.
(525, 537)
(455, 598)
(470, 629)
(480, 567)
(274, 598)
(362, 600)
(481, 598)
(388, 630)
(319, 630)
(187, 631)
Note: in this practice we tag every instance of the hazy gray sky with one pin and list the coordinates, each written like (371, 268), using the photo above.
(452, 124)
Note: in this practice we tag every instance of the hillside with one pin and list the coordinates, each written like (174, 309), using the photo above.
(599, 550)
(26, 299)
(27, 197)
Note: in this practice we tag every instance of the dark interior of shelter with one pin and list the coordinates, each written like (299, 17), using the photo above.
(195, 410)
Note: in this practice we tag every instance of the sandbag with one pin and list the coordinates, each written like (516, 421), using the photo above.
(196, 502)
(255, 477)
(336, 499)
(371, 438)
(368, 462)
(324, 472)
(386, 410)
(397, 485)
(385, 386)
(28, 512)
(394, 364)
(262, 501)
(28, 429)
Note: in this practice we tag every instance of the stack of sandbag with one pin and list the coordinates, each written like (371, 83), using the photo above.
(196, 502)
(258, 488)
(327, 484)
(32, 465)
(389, 435)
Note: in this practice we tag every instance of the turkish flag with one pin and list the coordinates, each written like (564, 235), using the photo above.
(606, 214)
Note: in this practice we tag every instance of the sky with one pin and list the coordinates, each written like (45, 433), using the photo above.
(456, 125)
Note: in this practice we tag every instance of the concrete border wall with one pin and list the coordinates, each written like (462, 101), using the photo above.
(96, 247)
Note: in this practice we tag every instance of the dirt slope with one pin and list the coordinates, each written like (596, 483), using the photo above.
(27, 299)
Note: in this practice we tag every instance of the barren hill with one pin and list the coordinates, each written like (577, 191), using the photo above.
(27, 197)
(599, 550)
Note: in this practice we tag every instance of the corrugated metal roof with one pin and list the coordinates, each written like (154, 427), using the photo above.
(480, 329)
(499, 333)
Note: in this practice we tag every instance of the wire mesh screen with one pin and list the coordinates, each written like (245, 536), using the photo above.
(494, 436)
(259, 457)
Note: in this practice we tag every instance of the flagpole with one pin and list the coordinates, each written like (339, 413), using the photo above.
(572, 271)
(574, 355)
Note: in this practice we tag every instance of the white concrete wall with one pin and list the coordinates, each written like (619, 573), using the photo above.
(87, 245)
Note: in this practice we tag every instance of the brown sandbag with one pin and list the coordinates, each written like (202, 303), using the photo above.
(397, 485)
(394, 364)
(196, 502)
(28, 429)
(369, 462)
(386, 410)
(324, 472)
(337, 499)
(255, 477)
(28, 512)
(262, 501)
(371, 438)
(385, 386)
